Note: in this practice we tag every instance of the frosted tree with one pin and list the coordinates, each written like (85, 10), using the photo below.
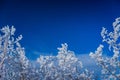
(13, 62)
(14, 65)
(48, 69)
(71, 67)
(110, 65)
(64, 66)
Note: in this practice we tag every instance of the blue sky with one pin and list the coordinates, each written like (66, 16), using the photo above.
(45, 24)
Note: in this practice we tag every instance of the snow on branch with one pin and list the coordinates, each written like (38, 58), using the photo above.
(14, 65)
(64, 66)
(110, 65)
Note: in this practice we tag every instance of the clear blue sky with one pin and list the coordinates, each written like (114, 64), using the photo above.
(45, 24)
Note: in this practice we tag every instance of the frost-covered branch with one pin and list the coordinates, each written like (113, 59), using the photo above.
(110, 65)
(13, 61)
(64, 66)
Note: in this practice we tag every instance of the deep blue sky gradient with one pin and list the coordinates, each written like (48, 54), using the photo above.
(45, 24)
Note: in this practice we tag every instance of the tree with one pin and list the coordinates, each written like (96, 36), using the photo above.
(110, 65)
(13, 62)
(14, 65)
(64, 66)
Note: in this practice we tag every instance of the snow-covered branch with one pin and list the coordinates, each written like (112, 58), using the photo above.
(110, 65)
(64, 66)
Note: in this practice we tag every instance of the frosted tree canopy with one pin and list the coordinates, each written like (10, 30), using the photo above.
(14, 65)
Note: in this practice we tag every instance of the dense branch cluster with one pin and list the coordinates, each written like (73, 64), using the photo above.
(110, 65)
(64, 66)
(14, 65)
